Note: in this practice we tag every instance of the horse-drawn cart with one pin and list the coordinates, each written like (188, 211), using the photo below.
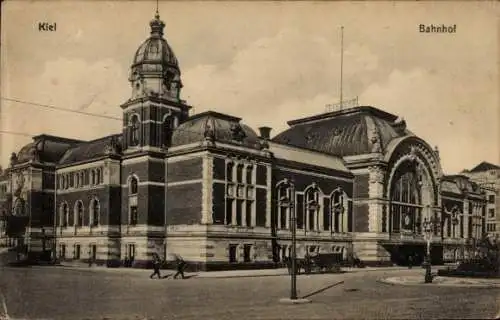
(321, 262)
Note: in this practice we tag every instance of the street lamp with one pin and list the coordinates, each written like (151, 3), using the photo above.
(429, 226)
(286, 199)
(286, 194)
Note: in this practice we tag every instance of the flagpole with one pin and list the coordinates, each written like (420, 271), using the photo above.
(341, 62)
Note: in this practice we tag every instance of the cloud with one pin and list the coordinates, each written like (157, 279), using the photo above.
(290, 74)
(461, 119)
(75, 84)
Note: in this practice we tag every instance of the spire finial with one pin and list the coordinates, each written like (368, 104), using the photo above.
(156, 24)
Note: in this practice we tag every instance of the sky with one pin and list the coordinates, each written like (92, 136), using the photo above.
(266, 62)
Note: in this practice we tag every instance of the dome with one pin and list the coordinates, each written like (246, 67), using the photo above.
(348, 132)
(217, 127)
(155, 50)
(45, 148)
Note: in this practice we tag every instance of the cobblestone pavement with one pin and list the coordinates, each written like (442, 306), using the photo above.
(51, 293)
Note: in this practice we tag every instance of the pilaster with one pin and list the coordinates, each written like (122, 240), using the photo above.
(269, 194)
(207, 188)
(376, 198)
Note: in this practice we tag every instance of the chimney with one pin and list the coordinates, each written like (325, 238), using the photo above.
(265, 132)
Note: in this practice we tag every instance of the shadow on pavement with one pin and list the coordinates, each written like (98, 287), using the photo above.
(322, 289)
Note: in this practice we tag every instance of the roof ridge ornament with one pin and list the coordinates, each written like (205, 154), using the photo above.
(157, 25)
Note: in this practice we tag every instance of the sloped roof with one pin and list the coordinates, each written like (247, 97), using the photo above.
(221, 126)
(89, 150)
(344, 133)
(484, 166)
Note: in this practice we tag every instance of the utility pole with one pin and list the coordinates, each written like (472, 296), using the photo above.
(341, 63)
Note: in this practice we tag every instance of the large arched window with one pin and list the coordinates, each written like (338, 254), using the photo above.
(229, 171)
(311, 205)
(134, 130)
(284, 199)
(338, 203)
(406, 200)
(79, 213)
(95, 209)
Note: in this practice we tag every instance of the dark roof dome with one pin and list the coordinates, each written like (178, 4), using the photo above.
(217, 127)
(155, 50)
(45, 148)
(348, 132)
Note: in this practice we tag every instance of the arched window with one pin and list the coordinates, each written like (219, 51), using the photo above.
(79, 213)
(338, 209)
(95, 209)
(249, 172)
(239, 173)
(77, 180)
(64, 215)
(311, 198)
(284, 199)
(82, 178)
(229, 171)
(134, 130)
(98, 176)
(133, 186)
(406, 202)
(93, 177)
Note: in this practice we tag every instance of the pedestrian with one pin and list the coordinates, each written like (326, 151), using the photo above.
(181, 264)
(410, 261)
(126, 261)
(156, 267)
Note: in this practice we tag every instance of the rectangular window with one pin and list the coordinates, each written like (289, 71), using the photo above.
(461, 226)
(282, 217)
(469, 235)
(249, 174)
(491, 212)
(311, 219)
(491, 198)
(326, 214)
(229, 211)
(239, 173)
(239, 212)
(247, 249)
(133, 215)
(232, 253)
(350, 222)
(300, 211)
(249, 214)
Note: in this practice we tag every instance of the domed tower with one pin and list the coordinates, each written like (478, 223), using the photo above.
(155, 108)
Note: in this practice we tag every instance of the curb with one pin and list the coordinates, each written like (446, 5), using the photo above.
(434, 284)
(132, 271)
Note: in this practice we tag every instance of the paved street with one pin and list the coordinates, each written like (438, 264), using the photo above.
(56, 293)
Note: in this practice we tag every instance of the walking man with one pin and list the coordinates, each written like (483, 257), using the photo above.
(156, 267)
(181, 264)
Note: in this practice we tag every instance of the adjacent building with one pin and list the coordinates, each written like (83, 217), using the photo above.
(211, 189)
(487, 175)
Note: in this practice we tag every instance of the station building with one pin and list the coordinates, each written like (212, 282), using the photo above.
(209, 188)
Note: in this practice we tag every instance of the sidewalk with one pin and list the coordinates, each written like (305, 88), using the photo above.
(217, 274)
